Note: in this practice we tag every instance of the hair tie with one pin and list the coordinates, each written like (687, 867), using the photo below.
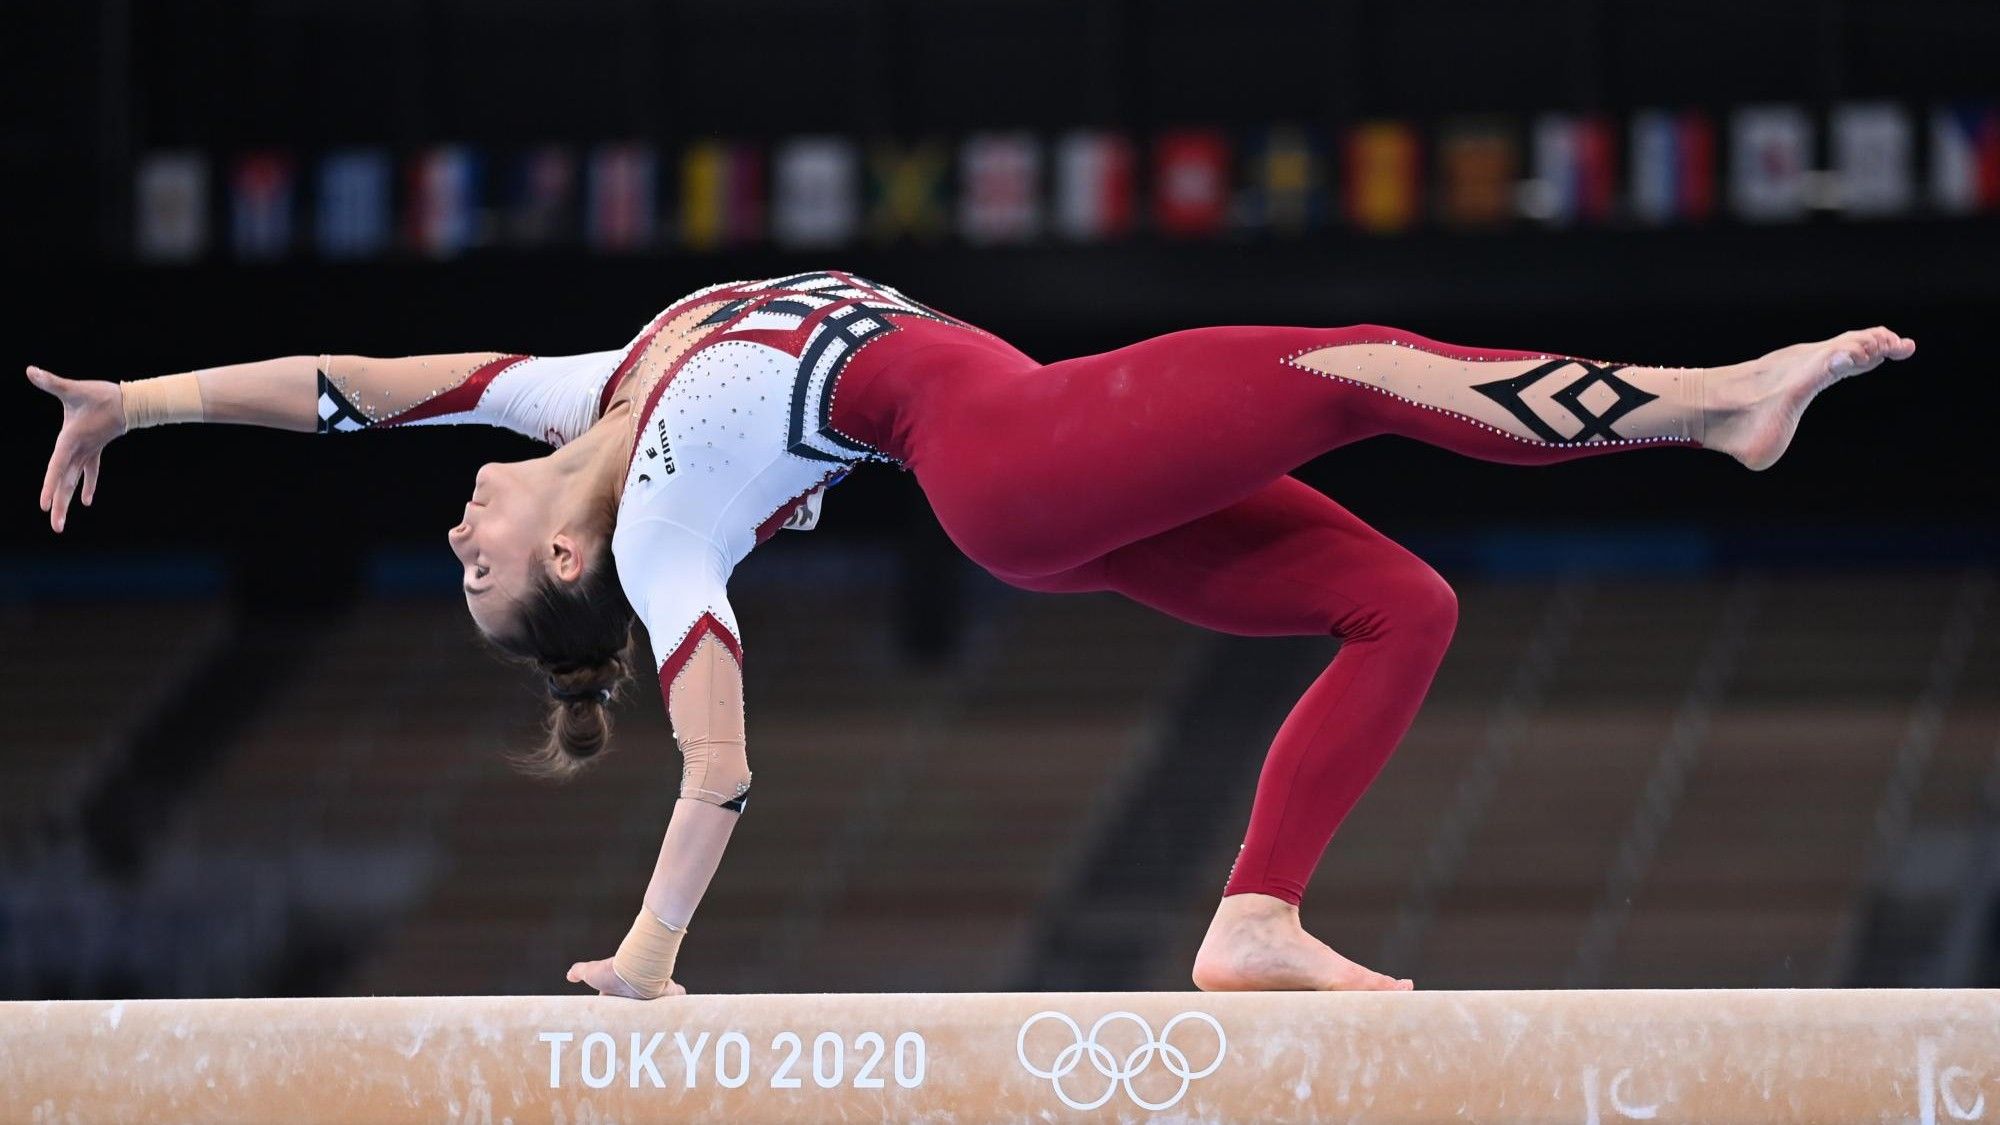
(602, 695)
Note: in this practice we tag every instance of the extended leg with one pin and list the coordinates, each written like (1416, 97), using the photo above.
(1041, 471)
(1289, 561)
(1747, 410)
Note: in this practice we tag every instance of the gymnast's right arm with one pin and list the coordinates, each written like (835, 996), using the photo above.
(682, 597)
(549, 398)
(705, 703)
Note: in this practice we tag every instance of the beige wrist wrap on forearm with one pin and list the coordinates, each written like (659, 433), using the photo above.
(156, 402)
(645, 959)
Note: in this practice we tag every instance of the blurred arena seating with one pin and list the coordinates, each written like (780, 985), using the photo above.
(1661, 783)
(81, 676)
(1003, 793)
(886, 798)
(1616, 781)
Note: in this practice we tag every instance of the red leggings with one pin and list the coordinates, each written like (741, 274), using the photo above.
(1159, 470)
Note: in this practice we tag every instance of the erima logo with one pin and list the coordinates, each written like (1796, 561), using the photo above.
(662, 453)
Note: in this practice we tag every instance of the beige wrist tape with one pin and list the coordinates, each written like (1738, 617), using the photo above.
(645, 959)
(155, 402)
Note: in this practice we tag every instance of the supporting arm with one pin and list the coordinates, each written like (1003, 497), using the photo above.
(705, 701)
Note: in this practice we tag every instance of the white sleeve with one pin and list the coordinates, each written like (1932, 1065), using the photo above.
(677, 582)
(551, 398)
(548, 398)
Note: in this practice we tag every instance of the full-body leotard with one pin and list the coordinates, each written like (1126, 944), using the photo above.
(1157, 470)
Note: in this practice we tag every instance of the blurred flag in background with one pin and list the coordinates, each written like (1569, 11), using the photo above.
(815, 192)
(722, 194)
(353, 204)
(1000, 185)
(1284, 182)
(1191, 181)
(990, 188)
(1479, 167)
(1673, 166)
(619, 204)
(443, 217)
(1094, 185)
(171, 201)
(1965, 157)
(1383, 166)
(541, 198)
(1576, 171)
(1871, 158)
(262, 191)
(1770, 160)
(906, 191)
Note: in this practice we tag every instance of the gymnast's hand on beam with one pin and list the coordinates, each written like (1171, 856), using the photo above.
(598, 975)
(93, 414)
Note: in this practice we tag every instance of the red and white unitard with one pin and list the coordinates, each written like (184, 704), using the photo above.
(1158, 470)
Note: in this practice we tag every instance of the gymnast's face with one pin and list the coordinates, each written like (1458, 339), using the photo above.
(511, 537)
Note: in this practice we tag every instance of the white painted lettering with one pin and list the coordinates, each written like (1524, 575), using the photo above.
(598, 1063)
(1926, 1082)
(742, 1075)
(779, 1081)
(863, 1078)
(1958, 1110)
(690, 1058)
(911, 1076)
(1947, 1085)
(601, 1080)
(1616, 1092)
(1626, 1109)
(826, 1076)
(645, 1058)
(555, 1040)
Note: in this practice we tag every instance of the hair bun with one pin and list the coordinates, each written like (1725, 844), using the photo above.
(578, 683)
(576, 695)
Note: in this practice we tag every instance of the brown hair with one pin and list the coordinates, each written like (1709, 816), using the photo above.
(579, 636)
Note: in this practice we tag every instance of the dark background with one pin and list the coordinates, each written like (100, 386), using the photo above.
(1892, 474)
(96, 84)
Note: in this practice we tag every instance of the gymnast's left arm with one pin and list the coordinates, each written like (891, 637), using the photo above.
(549, 398)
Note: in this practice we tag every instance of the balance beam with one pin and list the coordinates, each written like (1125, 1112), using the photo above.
(1584, 1057)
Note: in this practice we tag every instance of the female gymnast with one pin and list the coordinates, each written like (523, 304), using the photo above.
(1158, 470)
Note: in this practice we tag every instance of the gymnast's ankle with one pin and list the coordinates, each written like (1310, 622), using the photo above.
(1251, 904)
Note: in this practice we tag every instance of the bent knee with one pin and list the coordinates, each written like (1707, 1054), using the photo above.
(1433, 605)
(1414, 604)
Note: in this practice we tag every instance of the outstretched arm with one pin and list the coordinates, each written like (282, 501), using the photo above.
(549, 398)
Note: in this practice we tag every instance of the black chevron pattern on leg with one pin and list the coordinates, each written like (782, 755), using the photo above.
(1509, 394)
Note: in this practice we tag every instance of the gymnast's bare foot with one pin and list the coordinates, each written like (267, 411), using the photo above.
(1755, 407)
(1256, 944)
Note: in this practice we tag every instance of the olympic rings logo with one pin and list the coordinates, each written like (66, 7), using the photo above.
(1107, 1064)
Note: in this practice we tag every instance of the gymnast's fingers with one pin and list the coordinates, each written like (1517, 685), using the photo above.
(598, 975)
(65, 487)
(47, 380)
(90, 468)
(51, 474)
(59, 459)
